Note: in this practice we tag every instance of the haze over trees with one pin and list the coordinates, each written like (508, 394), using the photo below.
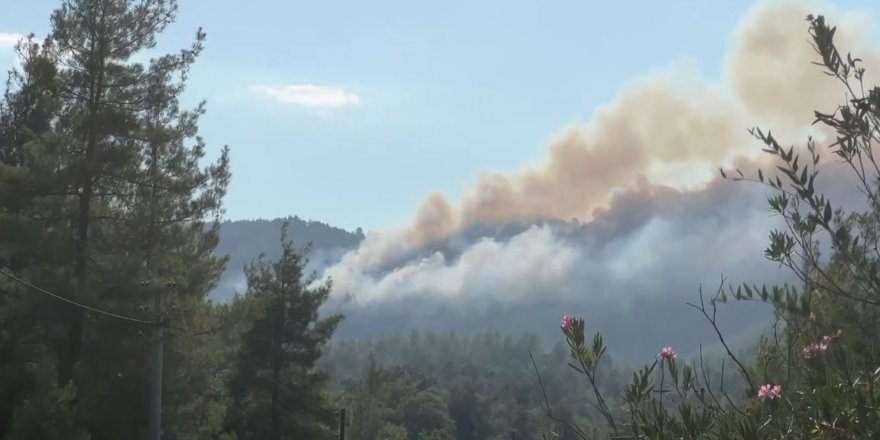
(245, 240)
(110, 207)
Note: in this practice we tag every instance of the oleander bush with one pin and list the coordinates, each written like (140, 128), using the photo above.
(816, 370)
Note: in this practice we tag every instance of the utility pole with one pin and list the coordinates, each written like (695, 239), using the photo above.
(342, 424)
(158, 355)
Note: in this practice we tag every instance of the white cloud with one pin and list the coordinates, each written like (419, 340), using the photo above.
(8, 40)
(307, 95)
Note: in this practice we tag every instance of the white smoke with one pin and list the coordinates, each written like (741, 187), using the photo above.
(641, 174)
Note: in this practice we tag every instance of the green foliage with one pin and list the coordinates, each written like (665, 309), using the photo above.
(47, 414)
(437, 434)
(424, 413)
(486, 382)
(102, 188)
(391, 431)
(276, 392)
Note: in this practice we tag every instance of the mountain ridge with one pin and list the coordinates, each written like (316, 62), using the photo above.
(245, 240)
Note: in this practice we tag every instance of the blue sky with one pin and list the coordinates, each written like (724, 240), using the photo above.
(409, 97)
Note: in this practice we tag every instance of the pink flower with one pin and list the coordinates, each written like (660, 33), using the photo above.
(770, 392)
(667, 353)
(821, 346)
(815, 348)
(568, 322)
(810, 351)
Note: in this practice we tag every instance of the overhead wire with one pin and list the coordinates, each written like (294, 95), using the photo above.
(135, 320)
(70, 301)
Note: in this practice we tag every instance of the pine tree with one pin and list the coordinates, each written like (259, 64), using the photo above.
(276, 392)
(170, 231)
(26, 112)
(28, 161)
(102, 187)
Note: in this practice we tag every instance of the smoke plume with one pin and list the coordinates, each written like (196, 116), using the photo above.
(655, 222)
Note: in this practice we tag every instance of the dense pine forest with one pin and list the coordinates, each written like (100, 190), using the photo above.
(116, 321)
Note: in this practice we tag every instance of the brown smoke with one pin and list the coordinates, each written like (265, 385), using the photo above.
(769, 66)
(670, 119)
(673, 119)
(654, 121)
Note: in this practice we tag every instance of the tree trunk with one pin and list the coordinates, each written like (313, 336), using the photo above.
(76, 317)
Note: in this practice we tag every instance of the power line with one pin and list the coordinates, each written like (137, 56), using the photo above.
(72, 302)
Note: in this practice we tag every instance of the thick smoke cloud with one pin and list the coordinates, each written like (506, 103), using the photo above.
(630, 269)
(655, 223)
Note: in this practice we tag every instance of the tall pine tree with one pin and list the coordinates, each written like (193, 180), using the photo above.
(102, 181)
(276, 392)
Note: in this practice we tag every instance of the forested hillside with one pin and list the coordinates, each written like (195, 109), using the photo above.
(479, 386)
(245, 240)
